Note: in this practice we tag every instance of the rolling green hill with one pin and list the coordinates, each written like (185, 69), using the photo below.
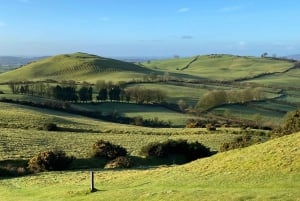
(221, 67)
(77, 66)
(268, 171)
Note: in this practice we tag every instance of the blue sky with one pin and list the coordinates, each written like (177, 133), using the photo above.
(149, 27)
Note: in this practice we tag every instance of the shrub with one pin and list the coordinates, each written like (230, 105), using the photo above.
(50, 127)
(107, 150)
(190, 151)
(210, 127)
(1, 92)
(239, 142)
(119, 162)
(50, 160)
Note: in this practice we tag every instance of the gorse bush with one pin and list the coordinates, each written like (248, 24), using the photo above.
(50, 160)
(50, 127)
(107, 150)
(190, 151)
(239, 142)
(119, 162)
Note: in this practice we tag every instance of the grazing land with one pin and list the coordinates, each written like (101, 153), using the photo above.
(268, 171)
(88, 98)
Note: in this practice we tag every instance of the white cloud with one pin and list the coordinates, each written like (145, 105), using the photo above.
(183, 10)
(231, 9)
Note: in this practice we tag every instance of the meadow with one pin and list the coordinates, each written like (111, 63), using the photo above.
(268, 170)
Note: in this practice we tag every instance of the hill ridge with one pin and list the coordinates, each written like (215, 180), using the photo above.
(73, 66)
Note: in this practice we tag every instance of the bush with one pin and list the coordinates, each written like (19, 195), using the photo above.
(1, 92)
(50, 127)
(239, 142)
(50, 160)
(107, 150)
(191, 151)
(119, 162)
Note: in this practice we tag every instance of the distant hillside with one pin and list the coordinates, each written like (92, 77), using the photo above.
(77, 66)
(295, 56)
(9, 62)
(221, 67)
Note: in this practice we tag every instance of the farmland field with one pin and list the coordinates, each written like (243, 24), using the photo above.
(264, 171)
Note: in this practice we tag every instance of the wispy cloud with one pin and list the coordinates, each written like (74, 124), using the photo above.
(183, 10)
(187, 37)
(231, 8)
(104, 19)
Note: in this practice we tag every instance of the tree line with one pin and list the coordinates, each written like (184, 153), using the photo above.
(216, 98)
(105, 91)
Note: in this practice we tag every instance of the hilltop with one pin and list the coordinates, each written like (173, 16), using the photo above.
(77, 66)
(222, 67)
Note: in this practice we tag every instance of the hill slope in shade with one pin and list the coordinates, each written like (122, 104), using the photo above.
(268, 171)
(222, 67)
(77, 66)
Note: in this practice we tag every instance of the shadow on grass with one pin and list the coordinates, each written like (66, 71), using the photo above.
(13, 168)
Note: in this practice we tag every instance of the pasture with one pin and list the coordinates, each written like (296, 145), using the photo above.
(268, 171)
(221, 67)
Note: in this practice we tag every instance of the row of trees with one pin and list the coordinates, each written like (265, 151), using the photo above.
(215, 98)
(107, 91)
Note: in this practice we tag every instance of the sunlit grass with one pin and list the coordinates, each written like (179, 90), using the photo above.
(268, 171)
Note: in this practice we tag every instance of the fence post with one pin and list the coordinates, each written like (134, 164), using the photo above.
(92, 187)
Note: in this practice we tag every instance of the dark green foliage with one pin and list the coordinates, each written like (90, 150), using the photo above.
(119, 162)
(210, 127)
(84, 94)
(50, 127)
(107, 150)
(102, 96)
(191, 151)
(239, 142)
(1, 92)
(291, 123)
(50, 160)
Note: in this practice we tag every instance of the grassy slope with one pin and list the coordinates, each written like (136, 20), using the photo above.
(145, 111)
(288, 79)
(222, 67)
(268, 171)
(20, 137)
(77, 66)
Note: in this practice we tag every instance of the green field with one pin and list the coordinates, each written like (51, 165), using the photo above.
(268, 171)
(145, 111)
(77, 66)
(222, 67)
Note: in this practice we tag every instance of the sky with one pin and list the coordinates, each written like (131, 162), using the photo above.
(149, 28)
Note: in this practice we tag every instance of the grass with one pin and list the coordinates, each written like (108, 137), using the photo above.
(21, 138)
(145, 111)
(268, 171)
(77, 66)
(288, 79)
(222, 67)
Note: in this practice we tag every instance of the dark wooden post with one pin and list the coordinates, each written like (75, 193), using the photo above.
(92, 187)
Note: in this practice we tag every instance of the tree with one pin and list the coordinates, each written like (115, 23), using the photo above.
(83, 94)
(182, 105)
(90, 94)
(265, 54)
(102, 96)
